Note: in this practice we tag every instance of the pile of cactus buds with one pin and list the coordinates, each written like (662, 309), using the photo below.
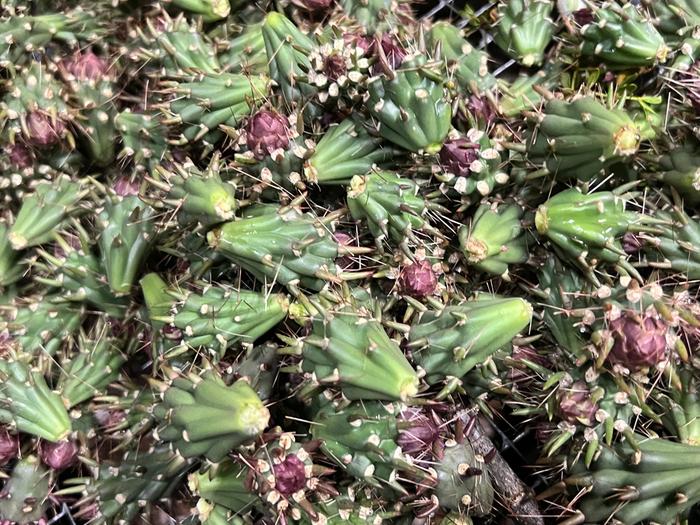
(316, 262)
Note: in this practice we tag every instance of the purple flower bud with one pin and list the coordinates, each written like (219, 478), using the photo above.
(334, 67)
(421, 434)
(9, 447)
(343, 239)
(59, 455)
(520, 353)
(43, 130)
(457, 155)
(266, 132)
(314, 7)
(20, 156)
(481, 108)
(391, 49)
(583, 16)
(417, 279)
(575, 404)
(359, 41)
(631, 243)
(124, 187)
(290, 476)
(639, 341)
(86, 66)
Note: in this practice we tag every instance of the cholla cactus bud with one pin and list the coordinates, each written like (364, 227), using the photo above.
(125, 187)
(9, 447)
(421, 433)
(314, 7)
(640, 341)
(266, 132)
(19, 155)
(43, 130)
(86, 66)
(58, 455)
(290, 475)
(390, 49)
(457, 156)
(576, 405)
(417, 279)
(631, 243)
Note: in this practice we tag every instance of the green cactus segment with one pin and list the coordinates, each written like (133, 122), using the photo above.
(391, 206)
(677, 245)
(259, 367)
(210, 514)
(89, 372)
(373, 15)
(22, 35)
(344, 151)
(587, 228)
(179, 47)
(143, 477)
(682, 414)
(78, 277)
(280, 245)
(288, 52)
(95, 121)
(450, 342)
(560, 288)
(35, 91)
(143, 138)
(494, 239)
(525, 29)
(621, 37)
(354, 353)
(411, 108)
(464, 482)
(244, 53)
(27, 403)
(579, 139)
(41, 325)
(25, 495)
(198, 196)
(467, 64)
(43, 211)
(211, 101)
(11, 269)
(201, 416)
(362, 440)
(127, 226)
(520, 94)
(681, 170)
(224, 485)
(657, 484)
(217, 317)
(209, 10)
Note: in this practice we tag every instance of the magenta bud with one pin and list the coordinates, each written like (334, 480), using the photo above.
(9, 447)
(290, 476)
(583, 16)
(20, 156)
(314, 7)
(575, 404)
(393, 52)
(639, 341)
(124, 187)
(631, 243)
(417, 279)
(457, 156)
(86, 66)
(59, 455)
(266, 132)
(334, 67)
(421, 433)
(43, 130)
